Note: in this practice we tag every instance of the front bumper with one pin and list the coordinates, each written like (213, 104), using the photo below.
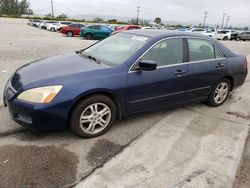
(36, 117)
(39, 117)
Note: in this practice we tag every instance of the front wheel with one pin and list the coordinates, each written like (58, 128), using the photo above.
(225, 38)
(219, 93)
(89, 36)
(70, 34)
(93, 116)
(52, 29)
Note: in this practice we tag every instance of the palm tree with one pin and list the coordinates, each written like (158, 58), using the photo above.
(158, 20)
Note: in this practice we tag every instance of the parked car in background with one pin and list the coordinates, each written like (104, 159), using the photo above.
(72, 30)
(182, 29)
(222, 35)
(234, 35)
(62, 24)
(47, 23)
(33, 22)
(197, 30)
(219, 35)
(58, 25)
(124, 28)
(41, 24)
(131, 72)
(52, 27)
(98, 32)
(244, 35)
(151, 28)
(37, 23)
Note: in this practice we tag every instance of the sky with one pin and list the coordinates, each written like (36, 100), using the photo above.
(184, 11)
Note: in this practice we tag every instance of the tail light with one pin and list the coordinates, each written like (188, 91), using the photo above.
(245, 64)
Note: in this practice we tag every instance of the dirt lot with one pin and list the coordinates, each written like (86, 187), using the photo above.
(62, 159)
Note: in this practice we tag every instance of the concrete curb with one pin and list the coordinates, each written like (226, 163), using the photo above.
(188, 151)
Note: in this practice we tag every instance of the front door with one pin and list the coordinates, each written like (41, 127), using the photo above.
(164, 86)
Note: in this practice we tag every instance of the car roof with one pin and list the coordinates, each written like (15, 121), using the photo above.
(152, 33)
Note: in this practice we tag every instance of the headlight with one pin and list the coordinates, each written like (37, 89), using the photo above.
(40, 95)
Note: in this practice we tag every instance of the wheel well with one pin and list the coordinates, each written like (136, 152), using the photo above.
(89, 34)
(231, 82)
(107, 94)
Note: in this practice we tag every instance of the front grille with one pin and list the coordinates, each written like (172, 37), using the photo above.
(9, 91)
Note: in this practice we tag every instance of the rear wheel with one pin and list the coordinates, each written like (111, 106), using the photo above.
(225, 38)
(93, 116)
(220, 93)
(89, 36)
(70, 34)
(53, 29)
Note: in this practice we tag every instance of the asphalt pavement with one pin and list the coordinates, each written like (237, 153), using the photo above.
(61, 159)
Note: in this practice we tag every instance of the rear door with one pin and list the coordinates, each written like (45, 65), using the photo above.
(206, 66)
(163, 87)
(104, 32)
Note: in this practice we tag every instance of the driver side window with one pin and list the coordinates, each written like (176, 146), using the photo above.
(167, 52)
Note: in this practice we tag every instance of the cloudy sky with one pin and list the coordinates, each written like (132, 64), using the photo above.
(188, 11)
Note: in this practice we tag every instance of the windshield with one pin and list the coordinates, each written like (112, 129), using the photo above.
(116, 49)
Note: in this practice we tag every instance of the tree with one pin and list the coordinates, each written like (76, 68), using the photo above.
(158, 20)
(14, 7)
(62, 16)
(23, 7)
(98, 19)
(246, 28)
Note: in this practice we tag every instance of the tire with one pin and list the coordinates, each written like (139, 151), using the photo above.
(70, 34)
(220, 93)
(53, 29)
(225, 38)
(89, 36)
(93, 116)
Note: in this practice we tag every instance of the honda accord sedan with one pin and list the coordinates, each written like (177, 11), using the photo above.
(128, 73)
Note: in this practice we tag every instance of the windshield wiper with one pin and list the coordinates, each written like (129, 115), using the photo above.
(90, 57)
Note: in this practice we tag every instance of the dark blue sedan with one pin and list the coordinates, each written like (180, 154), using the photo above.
(128, 73)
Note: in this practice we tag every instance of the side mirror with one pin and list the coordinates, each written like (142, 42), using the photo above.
(147, 65)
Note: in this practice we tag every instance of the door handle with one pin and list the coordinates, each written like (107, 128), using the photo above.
(179, 72)
(220, 65)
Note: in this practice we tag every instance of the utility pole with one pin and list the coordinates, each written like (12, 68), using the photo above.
(52, 9)
(227, 21)
(138, 13)
(205, 17)
(223, 19)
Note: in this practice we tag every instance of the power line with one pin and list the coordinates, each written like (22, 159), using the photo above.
(205, 17)
(223, 19)
(227, 21)
(52, 9)
(138, 13)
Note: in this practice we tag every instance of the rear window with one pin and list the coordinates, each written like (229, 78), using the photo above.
(200, 50)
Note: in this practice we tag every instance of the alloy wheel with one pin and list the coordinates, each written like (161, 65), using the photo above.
(221, 93)
(95, 118)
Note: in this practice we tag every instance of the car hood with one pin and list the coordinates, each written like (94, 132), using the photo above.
(54, 68)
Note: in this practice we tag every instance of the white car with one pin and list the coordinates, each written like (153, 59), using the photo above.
(197, 30)
(219, 35)
(62, 24)
(47, 23)
(41, 24)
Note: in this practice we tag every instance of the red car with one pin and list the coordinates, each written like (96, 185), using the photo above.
(124, 28)
(72, 30)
